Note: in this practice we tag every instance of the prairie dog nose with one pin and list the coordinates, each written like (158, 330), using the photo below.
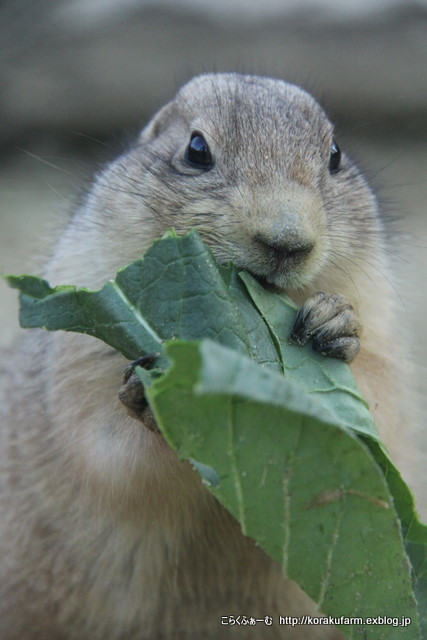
(285, 248)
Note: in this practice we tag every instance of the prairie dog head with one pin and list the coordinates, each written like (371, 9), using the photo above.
(250, 162)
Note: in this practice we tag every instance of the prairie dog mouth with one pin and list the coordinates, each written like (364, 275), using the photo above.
(268, 286)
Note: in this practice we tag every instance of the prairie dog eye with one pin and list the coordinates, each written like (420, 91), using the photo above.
(335, 158)
(198, 152)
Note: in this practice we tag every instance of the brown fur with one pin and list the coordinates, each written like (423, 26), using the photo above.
(104, 533)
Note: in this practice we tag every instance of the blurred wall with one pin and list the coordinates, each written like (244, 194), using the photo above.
(78, 76)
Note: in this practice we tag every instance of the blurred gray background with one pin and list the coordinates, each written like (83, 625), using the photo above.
(78, 77)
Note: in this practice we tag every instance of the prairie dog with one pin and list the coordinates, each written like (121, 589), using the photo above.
(104, 532)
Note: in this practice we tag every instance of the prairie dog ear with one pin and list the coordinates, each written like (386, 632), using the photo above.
(157, 124)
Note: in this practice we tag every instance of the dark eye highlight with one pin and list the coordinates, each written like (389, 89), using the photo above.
(335, 158)
(198, 152)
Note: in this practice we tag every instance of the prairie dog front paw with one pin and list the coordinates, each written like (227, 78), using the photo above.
(331, 323)
(132, 393)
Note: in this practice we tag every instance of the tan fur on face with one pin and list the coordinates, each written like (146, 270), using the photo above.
(105, 533)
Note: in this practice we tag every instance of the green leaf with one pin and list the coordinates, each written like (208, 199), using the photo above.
(331, 382)
(174, 286)
(315, 486)
(260, 340)
(328, 379)
(175, 291)
(106, 314)
(283, 425)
